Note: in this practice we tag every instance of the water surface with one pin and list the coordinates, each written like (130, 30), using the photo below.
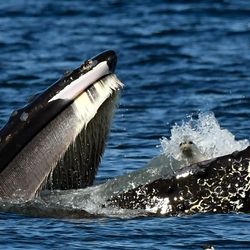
(175, 58)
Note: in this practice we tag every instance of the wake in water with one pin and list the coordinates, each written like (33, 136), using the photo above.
(205, 132)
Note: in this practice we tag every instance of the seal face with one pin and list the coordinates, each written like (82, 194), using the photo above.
(190, 152)
(187, 149)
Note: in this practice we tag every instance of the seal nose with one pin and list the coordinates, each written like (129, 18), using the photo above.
(185, 147)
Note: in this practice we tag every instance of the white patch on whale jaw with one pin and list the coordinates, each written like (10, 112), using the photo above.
(77, 86)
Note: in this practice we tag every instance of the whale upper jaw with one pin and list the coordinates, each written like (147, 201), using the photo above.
(90, 71)
(51, 122)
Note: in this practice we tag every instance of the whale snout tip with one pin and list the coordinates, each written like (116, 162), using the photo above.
(112, 60)
(108, 56)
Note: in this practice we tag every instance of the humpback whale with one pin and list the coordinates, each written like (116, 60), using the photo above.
(218, 185)
(57, 139)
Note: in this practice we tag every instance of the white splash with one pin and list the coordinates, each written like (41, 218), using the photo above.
(206, 133)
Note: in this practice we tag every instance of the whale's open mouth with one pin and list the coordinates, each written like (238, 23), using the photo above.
(56, 141)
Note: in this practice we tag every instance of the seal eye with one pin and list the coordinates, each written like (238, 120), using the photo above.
(190, 142)
(181, 144)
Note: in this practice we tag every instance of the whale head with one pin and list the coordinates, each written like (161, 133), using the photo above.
(56, 141)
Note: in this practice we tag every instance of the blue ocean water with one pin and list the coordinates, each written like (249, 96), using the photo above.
(175, 58)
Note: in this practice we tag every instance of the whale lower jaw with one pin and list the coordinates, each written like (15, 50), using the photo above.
(66, 152)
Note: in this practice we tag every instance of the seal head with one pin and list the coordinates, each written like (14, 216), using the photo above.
(190, 152)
